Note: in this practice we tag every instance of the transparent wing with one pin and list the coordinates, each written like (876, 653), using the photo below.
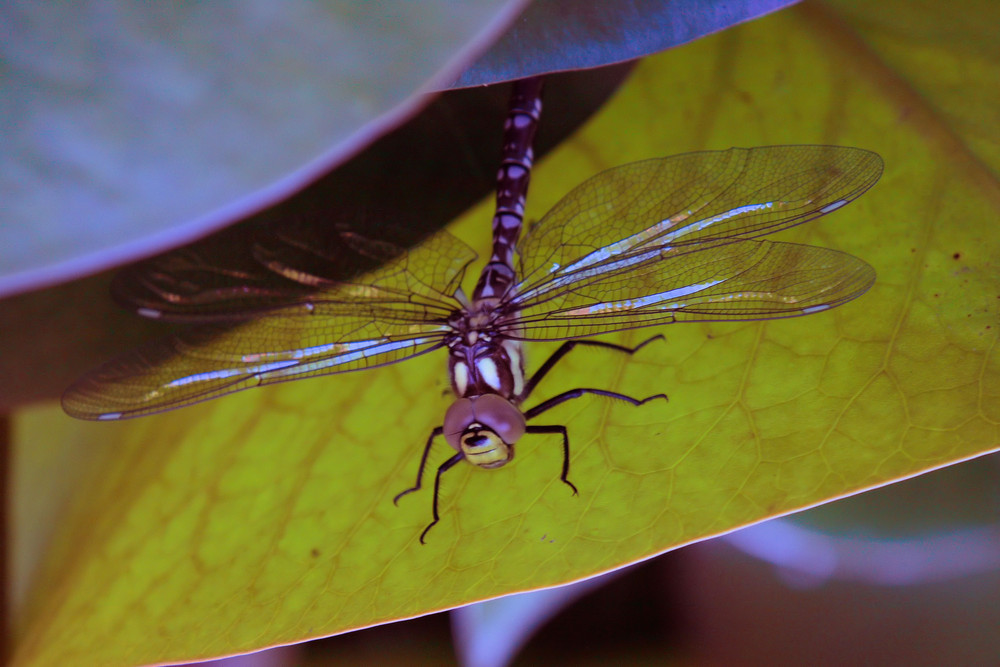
(205, 363)
(665, 240)
(638, 209)
(238, 275)
(741, 280)
(394, 313)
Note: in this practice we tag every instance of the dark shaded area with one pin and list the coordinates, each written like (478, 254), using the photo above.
(6, 531)
(420, 641)
(635, 614)
(405, 186)
(638, 612)
(743, 612)
(408, 185)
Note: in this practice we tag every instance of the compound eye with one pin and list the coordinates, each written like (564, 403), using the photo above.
(487, 412)
(485, 448)
(500, 416)
(457, 420)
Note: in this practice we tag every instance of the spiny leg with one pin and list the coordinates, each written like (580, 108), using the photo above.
(423, 464)
(567, 396)
(577, 393)
(565, 348)
(561, 430)
(442, 469)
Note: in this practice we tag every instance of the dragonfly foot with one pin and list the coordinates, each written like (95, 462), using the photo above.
(427, 530)
(647, 342)
(395, 501)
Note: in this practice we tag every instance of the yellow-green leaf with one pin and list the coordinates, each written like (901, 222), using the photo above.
(266, 517)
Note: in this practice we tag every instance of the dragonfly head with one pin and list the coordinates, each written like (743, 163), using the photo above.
(484, 428)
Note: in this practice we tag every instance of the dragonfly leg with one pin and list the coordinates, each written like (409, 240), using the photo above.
(577, 393)
(565, 348)
(442, 469)
(423, 464)
(561, 430)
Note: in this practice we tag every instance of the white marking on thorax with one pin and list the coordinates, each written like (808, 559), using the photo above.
(460, 374)
(513, 350)
(488, 371)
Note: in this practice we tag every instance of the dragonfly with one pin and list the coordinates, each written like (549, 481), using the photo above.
(651, 243)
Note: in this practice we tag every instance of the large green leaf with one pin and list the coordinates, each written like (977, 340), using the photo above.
(265, 518)
(938, 61)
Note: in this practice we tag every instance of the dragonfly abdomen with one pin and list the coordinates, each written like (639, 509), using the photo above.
(512, 187)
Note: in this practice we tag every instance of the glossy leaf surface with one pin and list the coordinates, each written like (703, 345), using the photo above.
(266, 517)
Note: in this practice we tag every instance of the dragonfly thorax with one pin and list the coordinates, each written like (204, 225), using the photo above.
(484, 429)
(479, 317)
(491, 365)
(482, 359)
